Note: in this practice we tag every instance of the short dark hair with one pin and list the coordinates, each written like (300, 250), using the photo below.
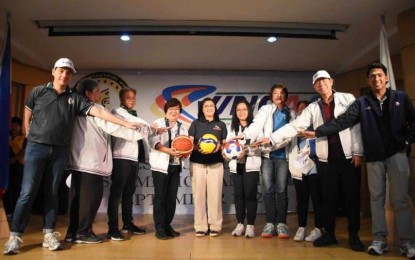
(201, 116)
(125, 90)
(86, 85)
(280, 86)
(305, 102)
(376, 66)
(173, 102)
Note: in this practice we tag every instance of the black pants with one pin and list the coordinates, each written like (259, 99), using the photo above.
(124, 176)
(333, 173)
(309, 186)
(15, 184)
(245, 186)
(165, 194)
(85, 197)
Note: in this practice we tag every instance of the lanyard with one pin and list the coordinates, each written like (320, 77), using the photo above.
(169, 130)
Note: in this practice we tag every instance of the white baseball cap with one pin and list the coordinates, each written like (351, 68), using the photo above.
(321, 74)
(64, 63)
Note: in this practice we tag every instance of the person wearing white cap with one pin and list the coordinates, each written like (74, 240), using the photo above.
(50, 111)
(387, 118)
(339, 158)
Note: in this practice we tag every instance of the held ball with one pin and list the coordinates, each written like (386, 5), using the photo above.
(208, 143)
(232, 149)
(183, 143)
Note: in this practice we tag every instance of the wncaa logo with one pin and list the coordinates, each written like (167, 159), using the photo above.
(225, 101)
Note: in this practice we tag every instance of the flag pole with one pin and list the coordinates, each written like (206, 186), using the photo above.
(384, 54)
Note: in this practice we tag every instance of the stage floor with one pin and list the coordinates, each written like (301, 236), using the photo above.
(187, 246)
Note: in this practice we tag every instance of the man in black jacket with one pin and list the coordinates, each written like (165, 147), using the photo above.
(387, 119)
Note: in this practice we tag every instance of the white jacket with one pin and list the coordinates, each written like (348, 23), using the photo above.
(253, 159)
(159, 161)
(123, 149)
(263, 125)
(350, 138)
(91, 144)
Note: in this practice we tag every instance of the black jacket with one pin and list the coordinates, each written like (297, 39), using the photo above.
(378, 142)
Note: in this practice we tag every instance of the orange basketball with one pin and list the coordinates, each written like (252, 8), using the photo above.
(183, 143)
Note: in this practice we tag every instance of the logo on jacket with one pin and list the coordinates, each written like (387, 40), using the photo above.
(70, 101)
(397, 104)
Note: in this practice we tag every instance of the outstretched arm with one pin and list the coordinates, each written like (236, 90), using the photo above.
(345, 120)
(101, 113)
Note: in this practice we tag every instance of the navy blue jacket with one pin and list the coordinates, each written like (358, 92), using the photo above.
(366, 111)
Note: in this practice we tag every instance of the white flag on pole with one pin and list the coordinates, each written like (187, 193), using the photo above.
(385, 57)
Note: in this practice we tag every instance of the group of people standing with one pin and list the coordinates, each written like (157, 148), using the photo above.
(321, 147)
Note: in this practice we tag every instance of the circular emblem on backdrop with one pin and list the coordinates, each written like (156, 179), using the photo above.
(110, 86)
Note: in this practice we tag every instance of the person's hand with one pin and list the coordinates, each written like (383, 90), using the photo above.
(357, 160)
(238, 137)
(159, 130)
(217, 148)
(224, 157)
(174, 152)
(243, 153)
(307, 134)
(131, 125)
(264, 141)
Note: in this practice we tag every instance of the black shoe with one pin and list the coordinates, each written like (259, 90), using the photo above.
(356, 244)
(171, 232)
(132, 229)
(161, 234)
(88, 238)
(115, 235)
(325, 240)
(70, 238)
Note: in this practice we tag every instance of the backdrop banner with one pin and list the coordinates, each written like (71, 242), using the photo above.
(155, 87)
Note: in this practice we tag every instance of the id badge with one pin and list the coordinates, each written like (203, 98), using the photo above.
(176, 161)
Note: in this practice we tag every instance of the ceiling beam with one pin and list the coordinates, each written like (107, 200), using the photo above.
(194, 28)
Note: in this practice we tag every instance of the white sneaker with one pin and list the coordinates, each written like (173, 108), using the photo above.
(239, 230)
(377, 248)
(51, 242)
(408, 250)
(12, 245)
(250, 231)
(300, 235)
(314, 234)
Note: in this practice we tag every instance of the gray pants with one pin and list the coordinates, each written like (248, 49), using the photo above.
(396, 170)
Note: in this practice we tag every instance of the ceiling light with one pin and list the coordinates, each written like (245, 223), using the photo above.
(271, 39)
(125, 38)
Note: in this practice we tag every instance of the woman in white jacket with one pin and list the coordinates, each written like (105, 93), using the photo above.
(90, 160)
(166, 165)
(245, 171)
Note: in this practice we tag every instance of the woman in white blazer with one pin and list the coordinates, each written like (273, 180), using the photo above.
(245, 172)
(166, 165)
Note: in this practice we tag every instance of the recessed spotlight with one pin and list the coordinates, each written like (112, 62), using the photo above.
(272, 39)
(125, 38)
